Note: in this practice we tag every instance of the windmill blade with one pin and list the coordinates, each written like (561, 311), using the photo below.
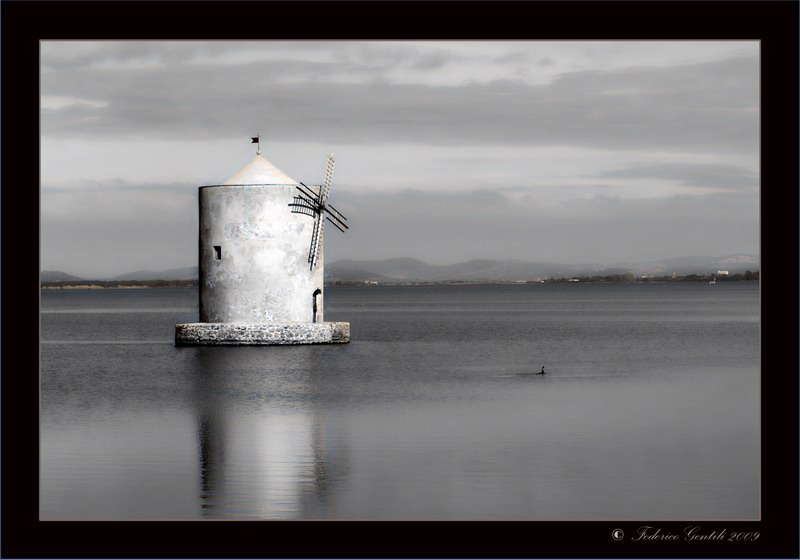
(336, 218)
(334, 212)
(301, 205)
(309, 193)
(338, 226)
(313, 204)
(337, 212)
(325, 191)
(314, 233)
(316, 241)
(306, 201)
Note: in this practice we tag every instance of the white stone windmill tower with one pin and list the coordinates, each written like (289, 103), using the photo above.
(261, 260)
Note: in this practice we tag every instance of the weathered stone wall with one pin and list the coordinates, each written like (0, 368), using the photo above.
(244, 334)
(260, 274)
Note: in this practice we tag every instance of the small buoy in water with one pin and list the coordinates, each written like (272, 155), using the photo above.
(541, 372)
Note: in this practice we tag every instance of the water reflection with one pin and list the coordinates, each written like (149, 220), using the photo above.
(421, 418)
(266, 443)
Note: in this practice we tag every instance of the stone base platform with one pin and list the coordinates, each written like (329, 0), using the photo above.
(246, 334)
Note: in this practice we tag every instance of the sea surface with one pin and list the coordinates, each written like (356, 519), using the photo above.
(649, 408)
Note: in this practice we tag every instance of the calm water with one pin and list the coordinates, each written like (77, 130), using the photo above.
(650, 408)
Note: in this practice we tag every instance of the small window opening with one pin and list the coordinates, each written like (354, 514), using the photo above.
(218, 252)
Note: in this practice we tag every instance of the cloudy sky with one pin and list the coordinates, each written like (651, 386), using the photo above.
(591, 152)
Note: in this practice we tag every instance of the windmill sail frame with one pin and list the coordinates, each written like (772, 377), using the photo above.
(314, 204)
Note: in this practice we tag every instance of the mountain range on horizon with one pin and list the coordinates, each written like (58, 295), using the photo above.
(408, 269)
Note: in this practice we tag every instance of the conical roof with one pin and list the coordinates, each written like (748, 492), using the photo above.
(260, 172)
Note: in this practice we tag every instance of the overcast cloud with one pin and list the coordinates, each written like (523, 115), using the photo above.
(446, 151)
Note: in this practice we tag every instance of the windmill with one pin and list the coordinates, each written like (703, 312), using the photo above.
(314, 204)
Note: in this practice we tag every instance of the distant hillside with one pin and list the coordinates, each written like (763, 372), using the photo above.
(388, 268)
(474, 270)
(402, 270)
(187, 273)
(409, 270)
(57, 276)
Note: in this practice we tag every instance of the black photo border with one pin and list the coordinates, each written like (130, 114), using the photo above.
(25, 23)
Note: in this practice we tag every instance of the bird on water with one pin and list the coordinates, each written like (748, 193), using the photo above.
(541, 372)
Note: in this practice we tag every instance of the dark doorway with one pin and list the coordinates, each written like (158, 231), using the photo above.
(317, 293)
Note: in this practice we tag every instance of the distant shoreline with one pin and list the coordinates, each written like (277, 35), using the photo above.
(121, 284)
(151, 284)
(97, 287)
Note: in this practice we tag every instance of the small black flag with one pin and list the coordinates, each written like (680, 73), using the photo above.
(255, 140)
